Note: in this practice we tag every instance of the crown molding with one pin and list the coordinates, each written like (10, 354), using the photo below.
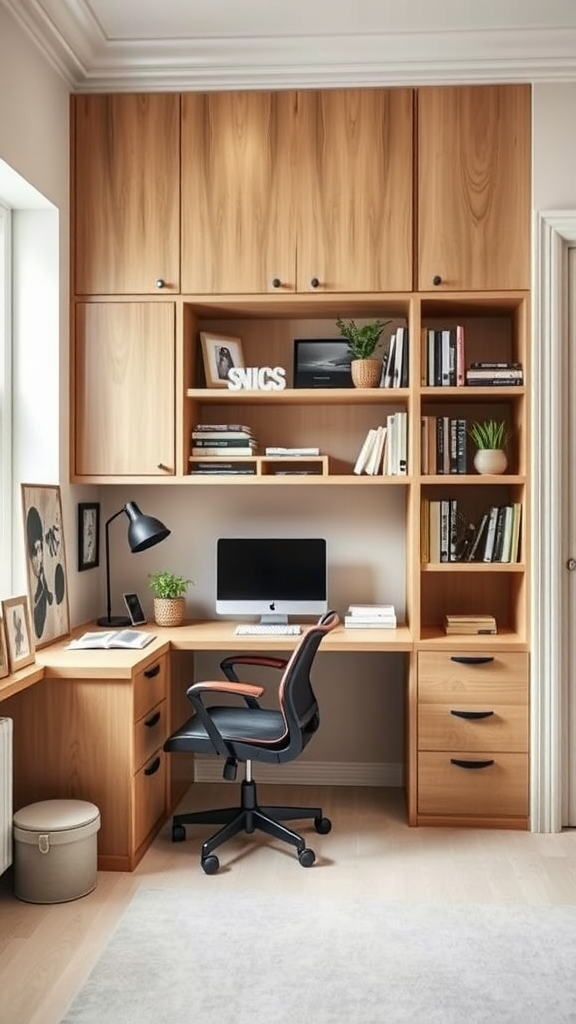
(90, 62)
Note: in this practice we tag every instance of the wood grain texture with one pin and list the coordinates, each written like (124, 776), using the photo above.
(124, 419)
(126, 191)
(355, 190)
(499, 791)
(238, 180)
(474, 164)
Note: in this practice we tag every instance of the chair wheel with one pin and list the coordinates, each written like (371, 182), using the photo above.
(306, 857)
(210, 864)
(322, 825)
(178, 833)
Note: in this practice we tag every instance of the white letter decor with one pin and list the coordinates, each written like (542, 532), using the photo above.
(256, 378)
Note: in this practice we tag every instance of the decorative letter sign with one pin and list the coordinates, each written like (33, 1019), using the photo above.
(257, 378)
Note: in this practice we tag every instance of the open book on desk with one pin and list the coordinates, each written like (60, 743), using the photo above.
(130, 639)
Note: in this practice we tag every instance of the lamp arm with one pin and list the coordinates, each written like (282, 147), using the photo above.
(107, 553)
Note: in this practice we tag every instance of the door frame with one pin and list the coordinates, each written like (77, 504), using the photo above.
(554, 231)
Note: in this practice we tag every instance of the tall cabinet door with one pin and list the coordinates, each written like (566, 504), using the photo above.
(124, 389)
(474, 187)
(238, 225)
(355, 190)
(126, 187)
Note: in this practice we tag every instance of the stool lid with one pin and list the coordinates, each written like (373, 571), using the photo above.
(55, 815)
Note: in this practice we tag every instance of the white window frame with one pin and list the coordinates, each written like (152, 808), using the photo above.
(6, 482)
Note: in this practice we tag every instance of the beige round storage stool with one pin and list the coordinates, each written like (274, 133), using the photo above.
(55, 850)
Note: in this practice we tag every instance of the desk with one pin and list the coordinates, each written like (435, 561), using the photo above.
(91, 724)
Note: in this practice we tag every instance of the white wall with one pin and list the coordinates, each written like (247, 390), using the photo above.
(554, 147)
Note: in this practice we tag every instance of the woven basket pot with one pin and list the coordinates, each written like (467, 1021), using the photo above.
(366, 373)
(169, 611)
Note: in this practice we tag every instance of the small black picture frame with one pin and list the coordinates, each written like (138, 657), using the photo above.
(322, 363)
(88, 535)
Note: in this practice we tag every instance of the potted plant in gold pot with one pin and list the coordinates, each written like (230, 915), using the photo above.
(366, 368)
(169, 597)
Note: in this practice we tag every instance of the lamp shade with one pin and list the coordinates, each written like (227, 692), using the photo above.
(143, 531)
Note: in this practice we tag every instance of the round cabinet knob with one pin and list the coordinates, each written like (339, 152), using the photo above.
(571, 564)
(276, 282)
(160, 282)
(436, 280)
(315, 282)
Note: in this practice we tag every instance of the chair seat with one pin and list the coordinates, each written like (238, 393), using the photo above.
(249, 724)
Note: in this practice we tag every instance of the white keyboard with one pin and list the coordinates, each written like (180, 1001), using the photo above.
(267, 629)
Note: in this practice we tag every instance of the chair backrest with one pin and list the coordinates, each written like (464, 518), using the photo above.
(296, 696)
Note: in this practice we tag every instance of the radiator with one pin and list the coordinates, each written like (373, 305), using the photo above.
(5, 793)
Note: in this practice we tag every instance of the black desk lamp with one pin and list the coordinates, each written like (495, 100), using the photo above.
(143, 532)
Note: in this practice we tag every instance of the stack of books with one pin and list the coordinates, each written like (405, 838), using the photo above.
(494, 374)
(223, 440)
(470, 625)
(395, 365)
(370, 616)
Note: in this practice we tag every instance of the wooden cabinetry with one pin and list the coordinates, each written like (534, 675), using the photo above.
(124, 376)
(474, 161)
(473, 738)
(126, 193)
(286, 191)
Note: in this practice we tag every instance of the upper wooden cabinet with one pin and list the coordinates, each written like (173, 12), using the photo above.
(124, 389)
(126, 188)
(285, 191)
(474, 159)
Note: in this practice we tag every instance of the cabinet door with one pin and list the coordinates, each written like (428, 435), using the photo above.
(355, 190)
(474, 187)
(126, 190)
(124, 389)
(238, 225)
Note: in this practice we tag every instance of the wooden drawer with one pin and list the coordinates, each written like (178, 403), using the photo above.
(454, 727)
(150, 687)
(498, 790)
(149, 797)
(149, 734)
(450, 676)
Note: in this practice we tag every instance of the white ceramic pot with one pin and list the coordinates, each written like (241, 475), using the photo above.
(491, 461)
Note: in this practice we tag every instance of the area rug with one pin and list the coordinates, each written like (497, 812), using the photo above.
(182, 957)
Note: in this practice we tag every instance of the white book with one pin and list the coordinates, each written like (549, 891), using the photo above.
(490, 534)
(389, 372)
(402, 421)
(293, 451)
(131, 639)
(398, 357)
(353, 622)
(376, 449)
(364, 452)
(371, 609)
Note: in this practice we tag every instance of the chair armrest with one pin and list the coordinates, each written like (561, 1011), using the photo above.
(194, 694)
(227, 664)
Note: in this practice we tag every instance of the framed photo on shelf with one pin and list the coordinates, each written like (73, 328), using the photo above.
(88, 535)
(45, 562)
(4, 665)
(220, 353)
(19, 639)
(322, 363)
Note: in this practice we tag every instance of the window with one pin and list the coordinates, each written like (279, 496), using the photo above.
(6, 490)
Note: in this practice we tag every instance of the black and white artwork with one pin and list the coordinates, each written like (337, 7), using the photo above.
(322, 363)
(45, 562)
(221, 353)
(19, 640)
(88, 535)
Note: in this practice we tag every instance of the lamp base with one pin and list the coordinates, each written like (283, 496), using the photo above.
(114, 621)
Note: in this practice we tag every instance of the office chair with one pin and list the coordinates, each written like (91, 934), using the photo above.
(249, 733)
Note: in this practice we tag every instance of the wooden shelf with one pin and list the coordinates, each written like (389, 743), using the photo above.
(300, 396)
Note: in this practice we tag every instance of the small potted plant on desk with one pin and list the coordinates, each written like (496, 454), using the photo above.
(490, 438)
(366, 370)
(169, 599)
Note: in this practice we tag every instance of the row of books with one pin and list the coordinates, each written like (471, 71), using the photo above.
(395, 363)
(446, 535)
(443, 357)
(223, 440)
(470, 625)
(444, 445)
(495, 374)
(370, 616)
(385, 448)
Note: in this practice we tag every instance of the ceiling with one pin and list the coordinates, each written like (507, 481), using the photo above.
(198, 44)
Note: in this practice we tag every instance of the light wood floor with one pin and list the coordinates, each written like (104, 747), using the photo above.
(46, 952)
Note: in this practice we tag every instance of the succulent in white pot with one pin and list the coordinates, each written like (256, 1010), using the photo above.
(490, 438)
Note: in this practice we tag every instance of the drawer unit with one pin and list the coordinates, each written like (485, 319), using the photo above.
(149, 734)
(149, 797)
(472, 724)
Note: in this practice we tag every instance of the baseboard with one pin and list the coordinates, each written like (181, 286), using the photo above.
(309, 773)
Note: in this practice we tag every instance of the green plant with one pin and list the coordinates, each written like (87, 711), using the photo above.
(362, 341)
(167, 585)
(489, 434)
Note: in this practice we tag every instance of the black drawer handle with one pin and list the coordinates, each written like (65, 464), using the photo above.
(151, 672)
(470, 659)
(467, 714)
(152, 768)
(470, 764)
(151, 722)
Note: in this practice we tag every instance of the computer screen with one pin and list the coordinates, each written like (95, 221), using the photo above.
(272, 577)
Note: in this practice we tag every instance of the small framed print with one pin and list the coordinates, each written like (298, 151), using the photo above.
(322, 363)
(4, 666)
(220, 353)
(88, 535)
(19, 639)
